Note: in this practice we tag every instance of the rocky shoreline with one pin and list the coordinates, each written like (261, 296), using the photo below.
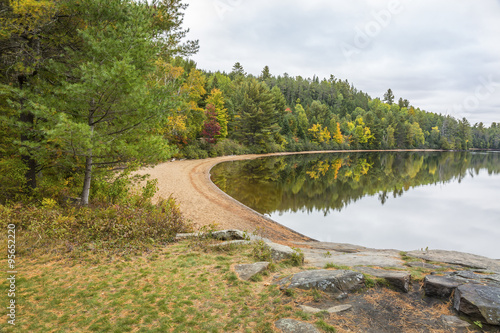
(470, 282)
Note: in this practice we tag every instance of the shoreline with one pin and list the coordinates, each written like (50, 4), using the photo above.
(202, 202)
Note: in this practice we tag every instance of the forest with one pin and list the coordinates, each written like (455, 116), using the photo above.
(92, 90)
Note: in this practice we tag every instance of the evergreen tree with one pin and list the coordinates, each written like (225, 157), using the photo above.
(256, 123)
(265, 75)
(389, 97)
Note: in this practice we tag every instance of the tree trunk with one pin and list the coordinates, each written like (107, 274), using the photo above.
(87, 180)
(88, 171)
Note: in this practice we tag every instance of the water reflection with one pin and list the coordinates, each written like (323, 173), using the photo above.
(313, 194)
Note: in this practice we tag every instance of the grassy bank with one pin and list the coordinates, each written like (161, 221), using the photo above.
(176, 288)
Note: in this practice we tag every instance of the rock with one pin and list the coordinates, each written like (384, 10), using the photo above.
(424, 265)
(280, 252)
(455, 322)
(230, 234)
(339, 308)
(246, 272)
(398, 279)
(179, 237)
(227, 235)
(479, 302)
(380, 258)
(458, 258)
(231, 243)
(468, 276)
(440, 286)
(294, 326)
(333, 309)
(309, 309)
(337, 282)
(336, 247)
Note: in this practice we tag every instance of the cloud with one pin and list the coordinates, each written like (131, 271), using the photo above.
(434, 54)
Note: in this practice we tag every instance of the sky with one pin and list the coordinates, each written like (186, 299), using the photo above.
(441, 55)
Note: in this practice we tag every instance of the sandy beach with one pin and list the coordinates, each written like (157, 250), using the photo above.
(188, 181)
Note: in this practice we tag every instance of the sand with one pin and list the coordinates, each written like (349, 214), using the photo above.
(188, 181)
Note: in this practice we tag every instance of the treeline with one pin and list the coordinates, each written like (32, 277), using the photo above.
(93, 89)
(283, 113)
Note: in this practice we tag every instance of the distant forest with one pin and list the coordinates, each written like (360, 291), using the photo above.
(244, 113)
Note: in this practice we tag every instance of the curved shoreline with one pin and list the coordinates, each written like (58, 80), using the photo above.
(202, 202)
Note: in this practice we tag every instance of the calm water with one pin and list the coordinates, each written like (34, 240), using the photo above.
(404, 200)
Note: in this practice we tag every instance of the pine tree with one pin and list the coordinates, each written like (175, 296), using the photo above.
(256, 120)
(389, 97)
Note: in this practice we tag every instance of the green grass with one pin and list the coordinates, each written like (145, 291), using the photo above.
(171, 289)
(335, 266)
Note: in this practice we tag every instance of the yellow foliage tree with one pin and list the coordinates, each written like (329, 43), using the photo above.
(216, 98)
(319, 134)
(337, 135)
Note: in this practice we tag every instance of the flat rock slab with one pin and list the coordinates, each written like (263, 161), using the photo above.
(455, 322)
(294, 326)
(479, 302)
(380, 258)
(333, 309)
(440, 286)
(424, 265)
(337, 282)
(337, 247)
(246, 272)
(458, 258)
(469, 276)
(400, 280)
(339, 308)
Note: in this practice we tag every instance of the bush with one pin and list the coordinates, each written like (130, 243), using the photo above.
(228, 147)
(119, 226)
(11, 176)
(194, 151)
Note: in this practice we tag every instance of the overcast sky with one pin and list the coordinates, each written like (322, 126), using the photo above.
(441, 55)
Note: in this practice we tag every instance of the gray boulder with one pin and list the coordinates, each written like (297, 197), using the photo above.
(280, 252)
(246, 272)
(440, 286)
(455, 322)
(228, 235)
(294, 326)
(400, 280)
(479, 302)
(337, 282)
(225, 235)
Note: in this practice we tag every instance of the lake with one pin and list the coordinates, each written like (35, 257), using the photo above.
(397, 200)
